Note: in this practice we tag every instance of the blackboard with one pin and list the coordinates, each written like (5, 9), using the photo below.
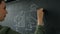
(21, 16)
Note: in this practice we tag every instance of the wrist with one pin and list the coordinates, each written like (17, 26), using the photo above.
(42, 24)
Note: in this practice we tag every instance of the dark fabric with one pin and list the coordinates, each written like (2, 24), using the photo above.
(10, 31)
(40, 30)
(7, 30)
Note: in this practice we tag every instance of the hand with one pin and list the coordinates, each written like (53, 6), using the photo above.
(40, 16)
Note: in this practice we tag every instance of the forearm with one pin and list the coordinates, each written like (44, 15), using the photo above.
(40, 24)
(40, 15)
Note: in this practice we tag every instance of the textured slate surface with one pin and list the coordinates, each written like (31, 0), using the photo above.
(21, 16)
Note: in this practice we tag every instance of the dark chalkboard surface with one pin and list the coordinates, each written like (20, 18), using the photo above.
(21, 16)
